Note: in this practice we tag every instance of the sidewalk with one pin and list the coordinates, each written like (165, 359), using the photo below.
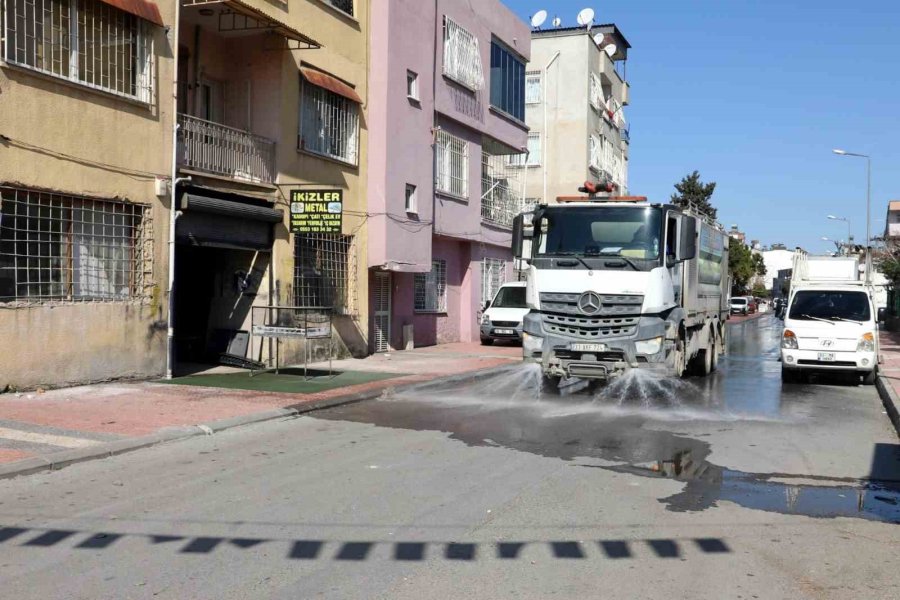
(889, 375)
(40, 430)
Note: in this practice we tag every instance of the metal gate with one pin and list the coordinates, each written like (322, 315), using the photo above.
(381, 330)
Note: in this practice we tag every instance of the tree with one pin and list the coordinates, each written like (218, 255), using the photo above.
(759, 265)
(692, 191)
(740, 265)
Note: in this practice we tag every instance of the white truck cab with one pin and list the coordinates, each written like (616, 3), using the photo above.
(831, 323)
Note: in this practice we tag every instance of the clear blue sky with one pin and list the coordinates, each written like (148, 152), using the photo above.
(754, 95)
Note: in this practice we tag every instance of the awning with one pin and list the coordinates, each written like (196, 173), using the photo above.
(272, 23)
(330, 83)
(140, 8)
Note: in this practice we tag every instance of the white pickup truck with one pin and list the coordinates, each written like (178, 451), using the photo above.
(831, 323)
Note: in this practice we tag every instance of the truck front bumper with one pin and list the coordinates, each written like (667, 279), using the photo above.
(596, 358)
(843, 361)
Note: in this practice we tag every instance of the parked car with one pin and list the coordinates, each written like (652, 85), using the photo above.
(752, 305)
(739, 306)
(502, 318)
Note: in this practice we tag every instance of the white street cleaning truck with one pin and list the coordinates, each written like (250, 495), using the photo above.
(831, 323)
(620, 283)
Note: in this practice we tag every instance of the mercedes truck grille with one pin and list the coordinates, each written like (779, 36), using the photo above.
(590, 328)
(617, 316)
(610, 305)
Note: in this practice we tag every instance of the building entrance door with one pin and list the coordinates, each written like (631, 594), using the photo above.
(381, 330)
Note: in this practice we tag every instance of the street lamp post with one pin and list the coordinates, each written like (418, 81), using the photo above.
(868, 186)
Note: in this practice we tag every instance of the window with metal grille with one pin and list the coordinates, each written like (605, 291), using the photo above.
(507, 81)
(84, 41)
(534, 152)
(431, 288)
(342, 5)
(532, 88)
(329, 124)
(321, 270)
(596, 153)
(493, 275)
(462, 57)
(598, 101)
(57, 247)
(452, 169)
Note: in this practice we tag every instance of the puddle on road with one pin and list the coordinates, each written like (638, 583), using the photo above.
(707, 484)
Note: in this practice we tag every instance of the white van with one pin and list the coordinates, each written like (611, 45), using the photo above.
(502, 318)
(832, 327)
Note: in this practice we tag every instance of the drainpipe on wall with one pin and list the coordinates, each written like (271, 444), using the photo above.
(545, 151)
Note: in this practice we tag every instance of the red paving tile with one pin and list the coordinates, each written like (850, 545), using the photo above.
(9, 455)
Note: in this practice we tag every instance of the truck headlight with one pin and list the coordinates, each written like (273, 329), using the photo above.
(651, 346)
(532, 343)
(866, 343)
(485, 320)
(789, 340)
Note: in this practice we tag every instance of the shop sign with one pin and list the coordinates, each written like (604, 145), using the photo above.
(316, 211)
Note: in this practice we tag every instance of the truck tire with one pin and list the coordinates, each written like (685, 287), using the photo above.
(679, 358)
(715, 348)
(702, 364)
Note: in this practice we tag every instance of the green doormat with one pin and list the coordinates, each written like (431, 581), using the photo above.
(288, 380)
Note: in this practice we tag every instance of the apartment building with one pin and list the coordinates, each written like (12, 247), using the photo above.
(269, 103)
(271, 113)
(86, 125)
(575, 95)
(447, 130)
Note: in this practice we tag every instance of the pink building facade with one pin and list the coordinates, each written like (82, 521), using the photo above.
(446, 123)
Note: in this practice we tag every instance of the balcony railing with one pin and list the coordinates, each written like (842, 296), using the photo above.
(501, 190)
(221, 150)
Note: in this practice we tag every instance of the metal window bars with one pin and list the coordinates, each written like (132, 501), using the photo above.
(501, 189)
(67, 248)
(462, 56)
(533, 87)
(323, 263)
(534, 153)
(84, 41)
(342, 5)
(452, 168)
(597, 99)
(329, 124)
(493, 275)
(215, 148)
(430, 289)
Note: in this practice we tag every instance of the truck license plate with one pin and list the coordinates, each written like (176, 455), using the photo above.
(504, 331)
(826, 356)
(588, 347)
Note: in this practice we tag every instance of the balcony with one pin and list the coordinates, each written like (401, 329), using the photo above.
(225, 151)
(501, 188)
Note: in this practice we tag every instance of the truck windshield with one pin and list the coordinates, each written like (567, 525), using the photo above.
(632, 233)
(510, 297)
(830, 305)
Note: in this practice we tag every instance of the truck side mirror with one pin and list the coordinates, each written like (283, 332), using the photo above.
(687, 242)
(523, 228)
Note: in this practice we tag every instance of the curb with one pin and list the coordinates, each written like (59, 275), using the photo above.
(60, 460)
(890, 400)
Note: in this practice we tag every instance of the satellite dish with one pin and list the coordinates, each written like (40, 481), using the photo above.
(557, 21)
(598, 39)
(538, 19)
(586, 17)
(610, 50)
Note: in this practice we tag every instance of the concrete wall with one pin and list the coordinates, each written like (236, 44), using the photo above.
(74, 140)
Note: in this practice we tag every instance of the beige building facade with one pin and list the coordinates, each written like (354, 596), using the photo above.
(575, 95)
(251, 104)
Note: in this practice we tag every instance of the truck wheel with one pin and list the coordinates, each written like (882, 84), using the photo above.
(679, 358)
(701, 365)
(869, 378)
(714, 348)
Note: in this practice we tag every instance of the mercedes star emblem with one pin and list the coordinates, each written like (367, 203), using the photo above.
(589, 303)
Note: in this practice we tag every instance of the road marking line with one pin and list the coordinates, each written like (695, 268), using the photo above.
(45, 438)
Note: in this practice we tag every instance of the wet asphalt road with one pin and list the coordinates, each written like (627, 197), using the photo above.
(729, 487)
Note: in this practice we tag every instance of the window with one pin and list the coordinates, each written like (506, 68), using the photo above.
(597, 153)
(462, 57)
(329, 124)
(493, 275)
(452, 168)
(598, 102)
(321, 270)
(84, 41)
(534, 152)
(532, 88)
(55, 247)
(412, 85)
(412, 202)
(507, 82)
(431, 288)
(342, 5)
